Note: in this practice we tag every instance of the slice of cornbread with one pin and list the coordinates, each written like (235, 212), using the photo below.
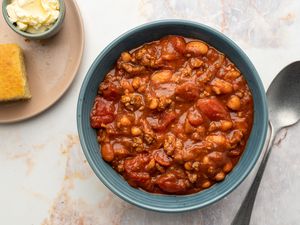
(13, 81)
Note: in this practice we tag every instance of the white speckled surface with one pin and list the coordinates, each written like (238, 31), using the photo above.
(44, 176)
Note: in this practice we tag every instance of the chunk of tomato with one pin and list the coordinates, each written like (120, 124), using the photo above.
(168, 182)
(164, 121)
(194, 117)
(110, 91)
(161, 157)
(135, 169)
(103, 112)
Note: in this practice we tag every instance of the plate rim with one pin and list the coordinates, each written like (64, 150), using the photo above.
(68, 83)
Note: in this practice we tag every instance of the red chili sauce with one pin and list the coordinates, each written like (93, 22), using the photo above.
(173, 116)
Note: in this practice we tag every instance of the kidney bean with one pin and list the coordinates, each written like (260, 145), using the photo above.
(161, 76)
(107, 152)
(213, 108)
(196, 48)
(187, 91)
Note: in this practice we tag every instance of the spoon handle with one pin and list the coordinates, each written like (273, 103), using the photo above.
(243, 216)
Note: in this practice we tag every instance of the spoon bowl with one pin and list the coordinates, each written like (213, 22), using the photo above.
(284, 97)
(284, 110)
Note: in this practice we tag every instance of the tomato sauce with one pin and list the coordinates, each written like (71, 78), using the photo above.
(173, 116)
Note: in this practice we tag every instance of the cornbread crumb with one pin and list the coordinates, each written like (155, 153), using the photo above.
(13, 81)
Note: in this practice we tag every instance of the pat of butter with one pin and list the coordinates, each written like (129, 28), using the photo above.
(33, 16)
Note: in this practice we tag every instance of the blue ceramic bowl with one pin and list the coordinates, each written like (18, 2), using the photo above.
(106, 60)
(55, 28)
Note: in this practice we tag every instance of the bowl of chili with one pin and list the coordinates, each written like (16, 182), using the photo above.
(140, 149)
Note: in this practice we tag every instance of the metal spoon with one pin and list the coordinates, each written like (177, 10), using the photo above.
(284, 110)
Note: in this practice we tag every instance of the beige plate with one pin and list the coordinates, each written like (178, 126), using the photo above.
(51, 65)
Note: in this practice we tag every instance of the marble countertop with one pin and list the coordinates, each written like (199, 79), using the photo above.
(45, 179)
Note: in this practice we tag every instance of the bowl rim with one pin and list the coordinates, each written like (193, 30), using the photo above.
(45, 34)
(238, 181)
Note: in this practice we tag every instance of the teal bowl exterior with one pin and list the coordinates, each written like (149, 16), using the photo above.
(39, 36)
(106, 60)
